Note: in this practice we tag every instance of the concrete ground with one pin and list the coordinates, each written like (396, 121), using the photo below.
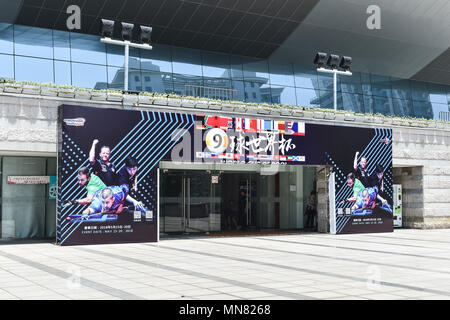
(406, 264)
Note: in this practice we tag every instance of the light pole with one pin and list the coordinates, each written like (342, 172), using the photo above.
(127, 30)
(332, 62)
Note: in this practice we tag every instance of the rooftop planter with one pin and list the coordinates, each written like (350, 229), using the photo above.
(130, 98)
(160, 100)
(349, 117)
(251, 108)
(201, 104)
(174, 100)
(98, 95)
(319, 115)
(82, 93)
(214, 105)
(66, 93)
(298, 112)
(188, 102)
(114, 95)
(12, 87)
(146, 98)
(31, 88)
(49, 89)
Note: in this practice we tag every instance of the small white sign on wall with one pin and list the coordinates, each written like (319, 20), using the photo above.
(28, 180)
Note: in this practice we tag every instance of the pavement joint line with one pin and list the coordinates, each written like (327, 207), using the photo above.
(62, 274)
(357, 249)
(329, 257)
(377, 242)
(249, 286)
(410, 239)
(323, 273)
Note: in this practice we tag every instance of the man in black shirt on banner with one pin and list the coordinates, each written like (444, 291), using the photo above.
(101, 166)
(360, 170)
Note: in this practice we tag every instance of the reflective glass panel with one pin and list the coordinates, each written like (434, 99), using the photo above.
(351, 84)
(401, 88)
(186, 61)
(307, 97)
(256, 70)
(423, 109)
(366, 84)
(353, 102)
(281, 73)
(7, 66)
(326, 81)
(368, 104)
(61, 45)
(403, 108)
(89, 75)
(283, 95)
(157, 59)
(6, 38)
(34, 69)
(116, 79)
(216, 65)
(239, 93)
(437, 93)
(237, 71)
(305, 77)
(381, 86)
(438, 107)
(188, 85)
(34, 42)
(62, 72)
(156, 81)
(257, 92)
(419, 91)
(383, 105)
(87, 48)
(115, 56)
(327, 100)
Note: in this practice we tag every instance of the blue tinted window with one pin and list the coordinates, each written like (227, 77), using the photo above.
(237, 71)
(383, 105)
(187, 61)
(437, 93)
(281, 73)
(34, 42)
(61, 45)
(157, 59)
(34, 69)
(307, 97)
(6, 38)
(437, 108)
(87, 48)
(305, 77)
(381, 86)
(89, 75)
(256, 70)
(326, 81)
(239, 90)
(7, 69)
(401, 88)
(327, 100)
(62, 72)
(189, 84)
(419, 91)
(115, 56)
(403, 108)
(353, 102)
(423, 109)
(257, 91)
(283, 95)
(351, 84)
(369, 105)
(216, 65)
(366, 84)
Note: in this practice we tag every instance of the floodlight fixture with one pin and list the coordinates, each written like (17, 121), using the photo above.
(333, 61)
(320, 59)
(127, 31)
(345, 63)
(145, 34)
(107, 28)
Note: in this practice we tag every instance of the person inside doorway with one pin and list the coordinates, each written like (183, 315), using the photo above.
(311, 211)
(243, 208)
(231, 215)
(101, 166)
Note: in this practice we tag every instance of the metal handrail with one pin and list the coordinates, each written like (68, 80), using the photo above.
(210, 92)
(444, 115)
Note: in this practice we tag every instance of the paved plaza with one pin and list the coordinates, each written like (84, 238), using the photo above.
(405, 264)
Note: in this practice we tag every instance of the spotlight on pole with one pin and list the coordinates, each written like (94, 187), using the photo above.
(320, 59)
(345, 63)
(145, 34)
(107, 28)
(127, 31)
(333, 61)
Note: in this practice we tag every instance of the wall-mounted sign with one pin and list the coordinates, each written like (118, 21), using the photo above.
(214, 179)
(28, 179)
(52, 188)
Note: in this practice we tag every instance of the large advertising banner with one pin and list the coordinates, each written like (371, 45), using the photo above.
(108, 162)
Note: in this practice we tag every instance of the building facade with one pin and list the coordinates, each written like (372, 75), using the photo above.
(248, 51)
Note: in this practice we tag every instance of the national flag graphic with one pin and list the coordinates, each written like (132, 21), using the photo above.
(218, 122)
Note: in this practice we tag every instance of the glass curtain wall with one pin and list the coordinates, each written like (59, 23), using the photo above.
(43, 55)
(26, 210)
